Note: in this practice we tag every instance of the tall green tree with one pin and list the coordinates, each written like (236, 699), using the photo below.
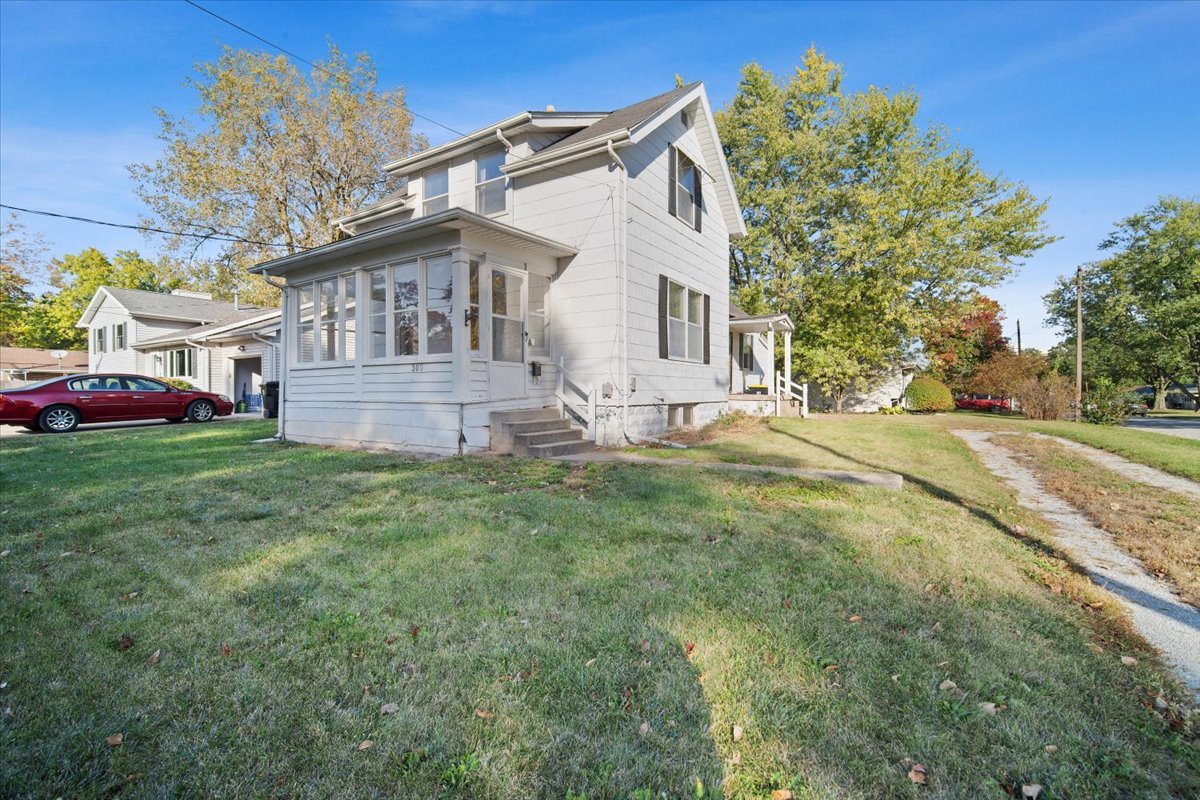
(273, 156)
(1141, 304)
(958, 347)
(21, 254)
(867, 228)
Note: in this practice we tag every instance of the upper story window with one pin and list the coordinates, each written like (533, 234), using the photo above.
(490, 183)
(99, 344)
(435, 185)
(119, 336)
(687, 189)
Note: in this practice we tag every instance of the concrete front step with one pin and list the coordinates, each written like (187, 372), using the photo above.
(565, 434)
(524, 415)
(566, 448)
(537, 425)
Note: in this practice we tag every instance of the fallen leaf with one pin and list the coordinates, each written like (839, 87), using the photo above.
(1055, 588)
(987, 708)
(644, 728)
(855, 618)
(366, 744)
(1114, 507)
(154, 657)
(787, 603)
(226, 650)
(831, 667)
(391, 639)
(125, 643)
(782, 794)
(1031, 790)
(1051, 749)
(947, 686)
(4, 553)
(1018, 530)
(931, 588)
(129, 595)
(389, 708)
(115, 740)
(416, 631)
(644, 644)
(1161, 704)
(689, 648)
(916, 774)
(1129, 661)
(479, 712)
(896, 678)
(737, 733)
(589, 662)
(735, 760)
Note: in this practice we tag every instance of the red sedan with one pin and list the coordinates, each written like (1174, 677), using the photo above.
(60, 404)
(982, 402)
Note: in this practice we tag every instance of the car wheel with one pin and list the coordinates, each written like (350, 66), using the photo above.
(201, 411)
(58, 419)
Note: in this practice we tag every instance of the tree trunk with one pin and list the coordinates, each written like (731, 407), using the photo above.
(839, 397)
(1160, 393)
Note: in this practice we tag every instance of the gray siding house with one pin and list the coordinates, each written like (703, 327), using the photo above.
(573, 261)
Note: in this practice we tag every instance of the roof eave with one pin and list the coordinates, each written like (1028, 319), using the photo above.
(584, 149)
(416, 160)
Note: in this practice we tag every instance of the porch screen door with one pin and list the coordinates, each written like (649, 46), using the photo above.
(507, 370)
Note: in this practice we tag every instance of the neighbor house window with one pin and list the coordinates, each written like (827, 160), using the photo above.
(684, 195)
(100, 340)
(683, 320)
(119, 336)
(326, 328)
(180, 363)
(538, 318)
(489, 183)
(419, 308)
(436, 187)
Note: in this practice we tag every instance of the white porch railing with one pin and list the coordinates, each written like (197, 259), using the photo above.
(787, 389)
(576, 401)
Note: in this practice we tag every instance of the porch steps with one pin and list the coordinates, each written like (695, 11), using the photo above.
(536, 432)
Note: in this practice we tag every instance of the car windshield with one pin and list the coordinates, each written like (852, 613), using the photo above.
(37, 385)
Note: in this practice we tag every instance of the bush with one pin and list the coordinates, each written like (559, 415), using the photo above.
(928, 394)
(179, 383)
(1047, 397)
(1107, 404)
(891, 410)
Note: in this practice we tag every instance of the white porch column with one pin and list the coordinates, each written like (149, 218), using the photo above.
(461, 298)
(770, 376)
(787, 358)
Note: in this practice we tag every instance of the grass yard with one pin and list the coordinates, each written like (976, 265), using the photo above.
(296, 622)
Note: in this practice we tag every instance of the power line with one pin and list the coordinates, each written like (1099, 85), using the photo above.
(216, 237)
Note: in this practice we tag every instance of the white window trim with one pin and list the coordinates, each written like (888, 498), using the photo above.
(687, 325)
(422, 355)
(99, 340)
(478, 183)
(359, 318)
(690, 219)
(169, 361)
(120, 327)
(426, 198)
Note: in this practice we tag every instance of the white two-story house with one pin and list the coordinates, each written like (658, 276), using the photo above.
(566, 264)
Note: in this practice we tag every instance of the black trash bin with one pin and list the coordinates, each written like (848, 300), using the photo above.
(270, 390)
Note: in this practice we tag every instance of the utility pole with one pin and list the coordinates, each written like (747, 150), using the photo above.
(1018, 337)
(1078, 343)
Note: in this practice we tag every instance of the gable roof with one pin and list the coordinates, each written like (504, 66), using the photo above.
(233, 324)
(159, 305)
(620, 121)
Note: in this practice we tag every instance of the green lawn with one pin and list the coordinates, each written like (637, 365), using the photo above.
(544, 631)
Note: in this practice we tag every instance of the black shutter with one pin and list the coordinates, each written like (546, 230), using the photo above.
(707, 348)
(663, 290)
(699, 197)
(671, 179)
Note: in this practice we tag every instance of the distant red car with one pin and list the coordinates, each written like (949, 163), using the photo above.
(982, 402)
(59, 405)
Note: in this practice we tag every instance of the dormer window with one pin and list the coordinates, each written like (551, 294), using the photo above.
(489, 183)
(435, 185)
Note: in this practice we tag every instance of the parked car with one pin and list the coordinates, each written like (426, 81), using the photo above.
(59, 405)
(982, 402)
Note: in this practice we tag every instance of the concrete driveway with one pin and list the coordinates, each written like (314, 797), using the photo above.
(1188, 427)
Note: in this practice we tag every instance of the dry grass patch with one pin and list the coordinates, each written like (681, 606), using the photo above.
(1161, 528)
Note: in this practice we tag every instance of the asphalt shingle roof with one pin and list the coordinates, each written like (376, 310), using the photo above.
(139, 302)
(621, 119)
(244, 315)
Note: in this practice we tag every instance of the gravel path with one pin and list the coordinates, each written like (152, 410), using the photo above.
(1130, 469)
(1158, 614)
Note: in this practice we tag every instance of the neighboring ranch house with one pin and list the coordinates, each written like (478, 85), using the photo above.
(23, 365)
(216, 346)
(881, 390)
(572, 265)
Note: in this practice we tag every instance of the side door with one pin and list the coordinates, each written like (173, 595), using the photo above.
(100, 398)
(149, 399)
(506, 370)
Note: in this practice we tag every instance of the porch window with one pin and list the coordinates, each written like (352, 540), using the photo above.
(305, 339)
(539, 312)
(435, 185)
(180, 363)
(377, 312)
(507, 344)
(349, 315)
(489, 183)
(100, 347)
(119, 336)
(406, 313)
(329, 319)
(439, 295)
(473, 307)
(747, 350)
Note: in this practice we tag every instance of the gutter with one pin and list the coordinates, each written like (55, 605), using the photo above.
(553, 159)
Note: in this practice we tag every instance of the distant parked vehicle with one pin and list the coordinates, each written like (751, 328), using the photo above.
(59, 405)
(982, 402)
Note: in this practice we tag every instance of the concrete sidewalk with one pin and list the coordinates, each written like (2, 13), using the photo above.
(883, 480)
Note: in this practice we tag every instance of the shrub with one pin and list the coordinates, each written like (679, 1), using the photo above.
(1047, 397)
(1107, 404)
(891, 410)
(179, 383)
(928, 395)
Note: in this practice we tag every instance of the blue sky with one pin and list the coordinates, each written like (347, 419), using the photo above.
(1095, 106)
